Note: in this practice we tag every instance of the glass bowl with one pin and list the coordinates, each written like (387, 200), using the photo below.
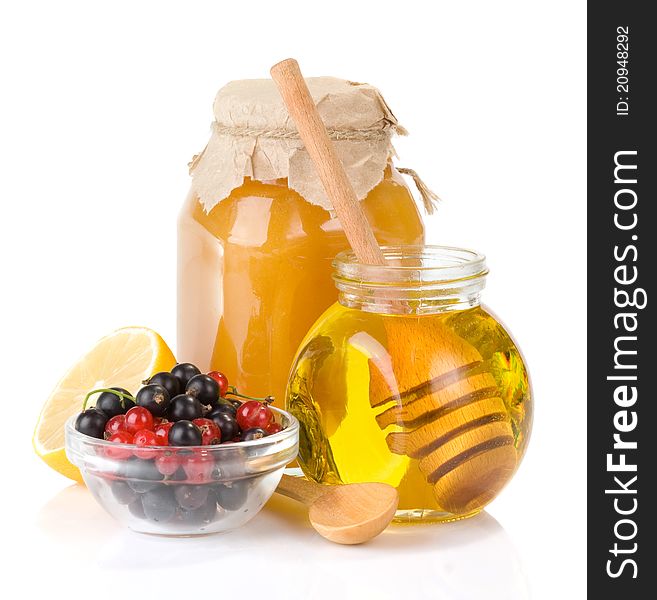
(206, 489)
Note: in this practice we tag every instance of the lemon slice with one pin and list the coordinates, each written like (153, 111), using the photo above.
(124, 359)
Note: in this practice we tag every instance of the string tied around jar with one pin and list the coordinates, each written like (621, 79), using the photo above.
(429, 198)
(375, 134)
(368, 134)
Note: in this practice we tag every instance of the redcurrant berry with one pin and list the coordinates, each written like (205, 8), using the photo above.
(118, 451)
(162, 433)
(145, 437)
(167, 463)
(198, 466)
(115, 424)
(254, 414)
(274, 427)
(138, 418)
(210, 433)
(222, 380)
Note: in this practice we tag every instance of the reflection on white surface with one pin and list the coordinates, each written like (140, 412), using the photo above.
(467, 560)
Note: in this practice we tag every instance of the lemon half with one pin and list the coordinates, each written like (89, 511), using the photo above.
(124, 359)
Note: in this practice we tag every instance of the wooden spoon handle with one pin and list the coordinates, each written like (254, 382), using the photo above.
(303, 111)
(301, 489)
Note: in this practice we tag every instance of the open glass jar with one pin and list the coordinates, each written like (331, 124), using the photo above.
(408, 380)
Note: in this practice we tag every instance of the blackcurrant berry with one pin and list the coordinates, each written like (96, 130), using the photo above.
(184, 408)
(191, 497)
(226, 423)
(159, 504)
(141, 487)
(184, 372)
(185, 433)
(154, 398)
(142, 475)
(122, 492)
(92, 422)
(254, 433)
(168, 381)
(204, 389)
(232, 496)
(225, 406)
(179, 475)
(202, 515)
(113, 404)
(136, 508)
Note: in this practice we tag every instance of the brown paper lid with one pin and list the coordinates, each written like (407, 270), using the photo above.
(254, 136)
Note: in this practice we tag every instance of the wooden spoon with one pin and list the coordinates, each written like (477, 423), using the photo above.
(444, 400)
(344, 514)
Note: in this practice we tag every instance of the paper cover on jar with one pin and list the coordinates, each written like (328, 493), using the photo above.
(253, 136)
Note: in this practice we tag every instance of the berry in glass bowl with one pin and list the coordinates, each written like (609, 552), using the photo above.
(180, 477)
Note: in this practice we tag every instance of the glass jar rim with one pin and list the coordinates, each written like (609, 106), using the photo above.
(413, 265)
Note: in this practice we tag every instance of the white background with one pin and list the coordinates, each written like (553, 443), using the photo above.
(101, 107)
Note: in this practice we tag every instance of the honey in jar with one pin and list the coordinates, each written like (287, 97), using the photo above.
(256, 235)
(408, 380)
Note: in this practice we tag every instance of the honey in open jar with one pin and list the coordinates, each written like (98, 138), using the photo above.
(408, 380)
(256, 235)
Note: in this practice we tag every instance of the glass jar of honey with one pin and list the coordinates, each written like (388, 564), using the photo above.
(256, 235)
(409, 381)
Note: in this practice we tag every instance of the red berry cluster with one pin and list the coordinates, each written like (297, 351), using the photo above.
(139, 427)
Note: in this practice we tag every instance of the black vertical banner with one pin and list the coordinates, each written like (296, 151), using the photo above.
(622, 268)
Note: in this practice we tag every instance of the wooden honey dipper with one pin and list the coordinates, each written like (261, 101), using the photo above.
(444, 402)
(453, 422)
